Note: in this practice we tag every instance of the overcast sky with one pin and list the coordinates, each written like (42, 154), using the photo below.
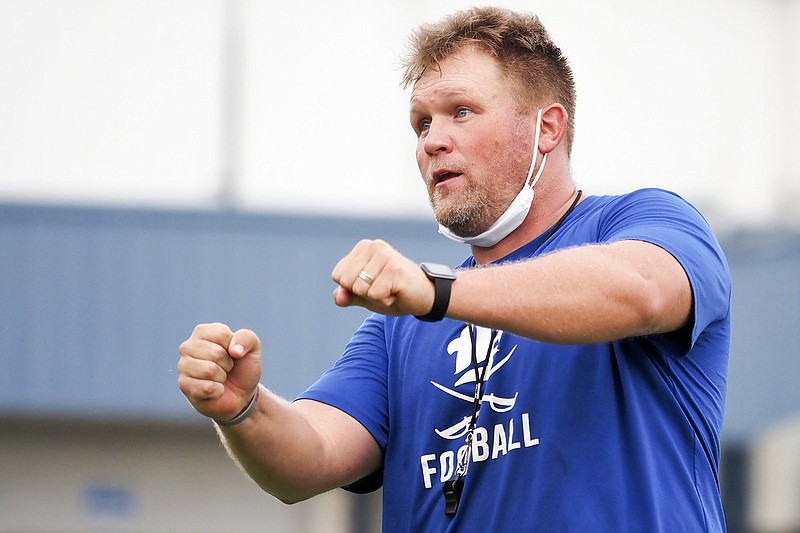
(296, 106)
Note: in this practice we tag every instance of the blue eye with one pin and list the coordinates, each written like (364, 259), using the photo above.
(462, 112)
(424, 124)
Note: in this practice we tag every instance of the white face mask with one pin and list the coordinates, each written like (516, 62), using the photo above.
(516, 212)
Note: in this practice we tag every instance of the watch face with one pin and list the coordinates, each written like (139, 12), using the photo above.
(437, 270)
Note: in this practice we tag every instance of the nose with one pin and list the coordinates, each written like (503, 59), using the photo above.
(437, 139)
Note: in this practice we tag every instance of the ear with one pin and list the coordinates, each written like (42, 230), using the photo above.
(554, 127)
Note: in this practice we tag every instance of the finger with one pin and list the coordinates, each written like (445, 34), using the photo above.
(385, 306)
(370, 280)
(203, 369)
(206, 350)
(388, 266)
(244, 342)
(367, 277)
(217, 333)
(386, 302)
(342, 297)
(198, 391)
(368, 257)
(345, 273)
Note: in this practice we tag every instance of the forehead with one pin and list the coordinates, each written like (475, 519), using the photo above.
(468, 71)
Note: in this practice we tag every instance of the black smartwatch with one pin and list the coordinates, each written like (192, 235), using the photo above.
(442, 277)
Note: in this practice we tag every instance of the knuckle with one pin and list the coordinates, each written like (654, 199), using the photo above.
(363, 244)
(197, 391)
(208, 389)
(210, 330)
(246, 334)
(199, 329)
(379, 247)
(188, 347)
(188, 388)
(217, 353)
(209, 371)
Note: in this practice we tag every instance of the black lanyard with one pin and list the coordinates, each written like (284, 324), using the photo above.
(560, 220)
(452, 488)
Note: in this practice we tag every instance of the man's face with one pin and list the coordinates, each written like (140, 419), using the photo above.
(474, 147)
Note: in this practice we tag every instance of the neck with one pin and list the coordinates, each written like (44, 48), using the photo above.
(551, 207)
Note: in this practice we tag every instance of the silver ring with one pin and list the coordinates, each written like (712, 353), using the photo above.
(366, 278)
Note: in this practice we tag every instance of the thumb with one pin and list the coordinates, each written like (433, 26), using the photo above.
(244, 342)
(344, 298)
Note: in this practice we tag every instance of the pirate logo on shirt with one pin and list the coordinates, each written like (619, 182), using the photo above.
(510, 435)
(462, 348)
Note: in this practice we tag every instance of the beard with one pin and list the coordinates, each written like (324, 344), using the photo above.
(471, 211)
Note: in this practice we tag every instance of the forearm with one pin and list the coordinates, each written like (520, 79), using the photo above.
(281, 449)
(582, 295)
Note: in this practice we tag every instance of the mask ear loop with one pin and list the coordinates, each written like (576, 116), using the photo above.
(535, 153)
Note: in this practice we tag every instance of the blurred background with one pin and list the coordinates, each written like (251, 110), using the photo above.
(165, 163)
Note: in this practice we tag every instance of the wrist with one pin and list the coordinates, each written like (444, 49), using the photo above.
(244, 414)
(442, 277)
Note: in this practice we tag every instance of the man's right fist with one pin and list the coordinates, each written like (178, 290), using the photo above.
(219, 370)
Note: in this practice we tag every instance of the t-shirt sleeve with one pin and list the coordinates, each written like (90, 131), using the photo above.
(665, 219)
(357, 382)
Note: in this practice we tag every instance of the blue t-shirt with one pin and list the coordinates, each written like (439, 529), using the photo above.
(622, 436)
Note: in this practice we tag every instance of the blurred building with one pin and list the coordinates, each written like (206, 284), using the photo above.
(94, 434)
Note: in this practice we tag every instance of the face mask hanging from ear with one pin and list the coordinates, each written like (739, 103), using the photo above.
(516, 212)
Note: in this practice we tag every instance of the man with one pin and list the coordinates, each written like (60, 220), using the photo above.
(569, 376)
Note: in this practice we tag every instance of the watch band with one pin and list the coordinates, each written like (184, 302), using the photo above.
(442, 284)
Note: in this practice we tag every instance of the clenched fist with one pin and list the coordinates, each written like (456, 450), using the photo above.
(376, 276)
(219, 370)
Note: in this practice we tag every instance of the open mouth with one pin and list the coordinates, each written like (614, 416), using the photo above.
(441, 176)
